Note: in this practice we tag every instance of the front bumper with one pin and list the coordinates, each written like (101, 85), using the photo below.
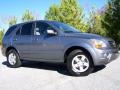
(104, 57)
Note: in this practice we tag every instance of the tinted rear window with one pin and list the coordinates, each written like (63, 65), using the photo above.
(10, 30)
(26, 29)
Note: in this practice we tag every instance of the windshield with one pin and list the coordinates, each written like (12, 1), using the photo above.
(65, 28)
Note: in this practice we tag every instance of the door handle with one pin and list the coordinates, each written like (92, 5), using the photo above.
(15, 39)
(35, 39)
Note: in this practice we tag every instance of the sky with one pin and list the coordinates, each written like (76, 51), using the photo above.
(39, 7)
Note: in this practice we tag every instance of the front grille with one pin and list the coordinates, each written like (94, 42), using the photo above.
(112, 44)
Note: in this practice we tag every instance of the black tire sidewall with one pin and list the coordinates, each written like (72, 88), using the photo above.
(18, 62)
(69, 63)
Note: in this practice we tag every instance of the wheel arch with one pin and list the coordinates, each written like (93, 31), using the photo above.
(82, 49)
(9, 48)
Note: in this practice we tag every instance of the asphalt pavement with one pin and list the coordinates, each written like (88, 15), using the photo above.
(45, 76)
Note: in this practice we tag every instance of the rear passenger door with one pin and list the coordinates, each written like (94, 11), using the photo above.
(23, 40)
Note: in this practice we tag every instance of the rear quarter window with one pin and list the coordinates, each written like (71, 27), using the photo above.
(10, 30)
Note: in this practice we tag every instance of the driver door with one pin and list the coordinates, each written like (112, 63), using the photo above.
(45, 47)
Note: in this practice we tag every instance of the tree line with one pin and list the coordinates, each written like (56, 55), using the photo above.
(27, 16)
(104, 21)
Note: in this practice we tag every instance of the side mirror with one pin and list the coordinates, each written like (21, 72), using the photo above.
(51, 32)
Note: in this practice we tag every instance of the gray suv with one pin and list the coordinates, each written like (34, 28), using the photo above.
(52, 41)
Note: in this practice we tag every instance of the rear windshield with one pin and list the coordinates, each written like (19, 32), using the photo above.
(10, 30)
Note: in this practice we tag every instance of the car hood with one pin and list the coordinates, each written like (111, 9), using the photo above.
(86, 36)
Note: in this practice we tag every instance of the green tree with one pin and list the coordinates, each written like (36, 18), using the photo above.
(95, 22)
(1, 35)
(53, 13)
(112, 20)
(70, 12)
(27, 16)
(12, 20)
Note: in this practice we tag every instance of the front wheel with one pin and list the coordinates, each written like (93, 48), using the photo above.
(79, 63)
(13, 59)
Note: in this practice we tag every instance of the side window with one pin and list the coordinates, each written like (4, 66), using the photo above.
(18, 31)
(26, 29)
(41, 28)
(10, 30)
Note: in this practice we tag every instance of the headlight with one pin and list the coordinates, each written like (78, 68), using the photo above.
(98, 43)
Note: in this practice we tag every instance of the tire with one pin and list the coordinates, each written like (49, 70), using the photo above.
(13, 59)
(79, 63)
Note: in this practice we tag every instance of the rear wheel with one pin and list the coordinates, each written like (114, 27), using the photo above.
(79, 63)
(13, 59)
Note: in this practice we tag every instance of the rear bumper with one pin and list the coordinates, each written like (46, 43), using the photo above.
(104, 57)
(3, 51)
